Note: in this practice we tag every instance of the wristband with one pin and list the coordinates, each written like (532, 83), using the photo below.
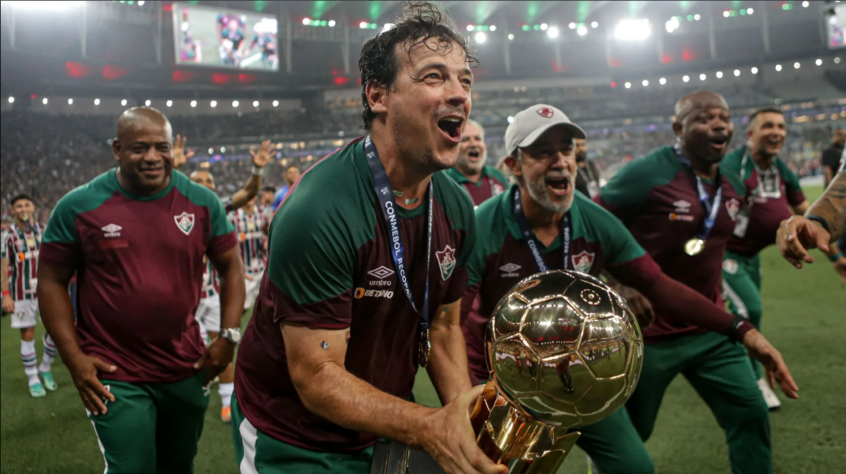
(834, 258)
(819, 220)
(739, 327)
(257, 171)
(6, 293)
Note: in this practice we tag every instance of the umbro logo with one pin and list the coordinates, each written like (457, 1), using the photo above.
(510, 270)
(381, 273)
(111, 230)
(682, 206)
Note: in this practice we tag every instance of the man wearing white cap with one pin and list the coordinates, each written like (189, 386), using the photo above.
(542, 224)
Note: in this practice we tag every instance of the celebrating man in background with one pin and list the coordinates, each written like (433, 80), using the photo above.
(137, 235)
(831, 156)
(292, 174)
(587, 179)
(682, 210)
(568, 231)
(18, 279)
(471, 171)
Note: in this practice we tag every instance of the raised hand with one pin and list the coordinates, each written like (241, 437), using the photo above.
(262, 157)
(180, 155)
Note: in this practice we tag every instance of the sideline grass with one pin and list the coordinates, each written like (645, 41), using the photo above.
(803, 316)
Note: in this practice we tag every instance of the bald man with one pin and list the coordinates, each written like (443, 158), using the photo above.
(136, 236)
(682, 211)
(481, 181)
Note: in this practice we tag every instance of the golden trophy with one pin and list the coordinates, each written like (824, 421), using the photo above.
(564, 350)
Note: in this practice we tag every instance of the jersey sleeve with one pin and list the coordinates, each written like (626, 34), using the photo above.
(60, 244)
(311, 267)
(626, 192)
(222, 231)
(618, 244)
(3, 245)
(795, 196)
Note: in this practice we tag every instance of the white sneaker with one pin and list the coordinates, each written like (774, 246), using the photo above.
(773, 403)
(591, 466)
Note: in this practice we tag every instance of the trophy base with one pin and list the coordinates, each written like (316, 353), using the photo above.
(508, 436)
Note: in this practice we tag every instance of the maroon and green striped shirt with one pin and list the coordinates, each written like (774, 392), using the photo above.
(330, 267)
(21, 248)
(139, 264)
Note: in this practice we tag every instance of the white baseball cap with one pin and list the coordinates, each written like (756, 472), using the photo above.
(530, 124)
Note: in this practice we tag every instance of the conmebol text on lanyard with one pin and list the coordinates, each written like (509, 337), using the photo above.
(385, 194)
(712, 207)
(532, 240)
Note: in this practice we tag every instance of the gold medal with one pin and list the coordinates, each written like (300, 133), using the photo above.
(424, 348)
(694, 246)
(30, 243)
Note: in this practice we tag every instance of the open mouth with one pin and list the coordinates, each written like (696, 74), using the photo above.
(558, 186)
(474, 155)
(719, 141)
(451, 127)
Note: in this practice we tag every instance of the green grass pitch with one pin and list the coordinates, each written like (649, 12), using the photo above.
(804, 317)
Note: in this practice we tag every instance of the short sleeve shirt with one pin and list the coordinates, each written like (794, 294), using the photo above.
(491, 183)
(139, 263)
(330, 267)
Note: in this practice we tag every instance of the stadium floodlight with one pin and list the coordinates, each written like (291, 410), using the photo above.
(363, 25)
(686, 78)
(594, 24)
(552, 32)
(223, 149)
(633, 29)
(11, 100)
(754, 70)
(123, 102)
(806, 4)
(141, 3)
(750, 11)
(672, 24)
(44, 6)
(213, 104)
(235, 103)
(470, 27)
(510, 36)
(818, 62)
(332, 23)
(645, 82)
(697, 17)
(719, 74)
(572, 25)
(276, 103)
(255, 103)
(796, 65)
(493, 27)
(778, 68)
(211, 150)
(148, 102)
(44, 101)
(481, 37)
(70, 101)
(726, 14)
(702, 77)
(193, 103)
(581, 30)
(306, 21)
(662, 81)
(96, 101)
(510, 118)
(628, 85)
(736, 72)
(169, 103)
(837, 60)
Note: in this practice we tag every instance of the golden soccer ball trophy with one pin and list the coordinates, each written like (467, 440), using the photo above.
(564, 350)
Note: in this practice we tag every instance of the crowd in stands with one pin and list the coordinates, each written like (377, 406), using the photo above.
(48, 155)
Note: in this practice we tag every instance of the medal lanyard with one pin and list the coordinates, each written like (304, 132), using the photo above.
(712, 207)
(385, 193)
(532, 240)
(773, 171)
(22, 233)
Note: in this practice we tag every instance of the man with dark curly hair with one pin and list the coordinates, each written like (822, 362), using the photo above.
(364, 287)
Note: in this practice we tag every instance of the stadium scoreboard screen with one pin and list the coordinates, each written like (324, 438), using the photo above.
(209, 36)
(836, 26)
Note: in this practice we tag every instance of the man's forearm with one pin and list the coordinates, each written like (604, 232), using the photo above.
(343, 399)
(831, 206)
(233, 292)
(249, 191)
(56, 310)
(827, 174)
(4, 275)
(448, 361)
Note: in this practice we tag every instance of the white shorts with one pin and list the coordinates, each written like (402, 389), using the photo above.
(208, 313)
(24, 315)
(252, 289)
